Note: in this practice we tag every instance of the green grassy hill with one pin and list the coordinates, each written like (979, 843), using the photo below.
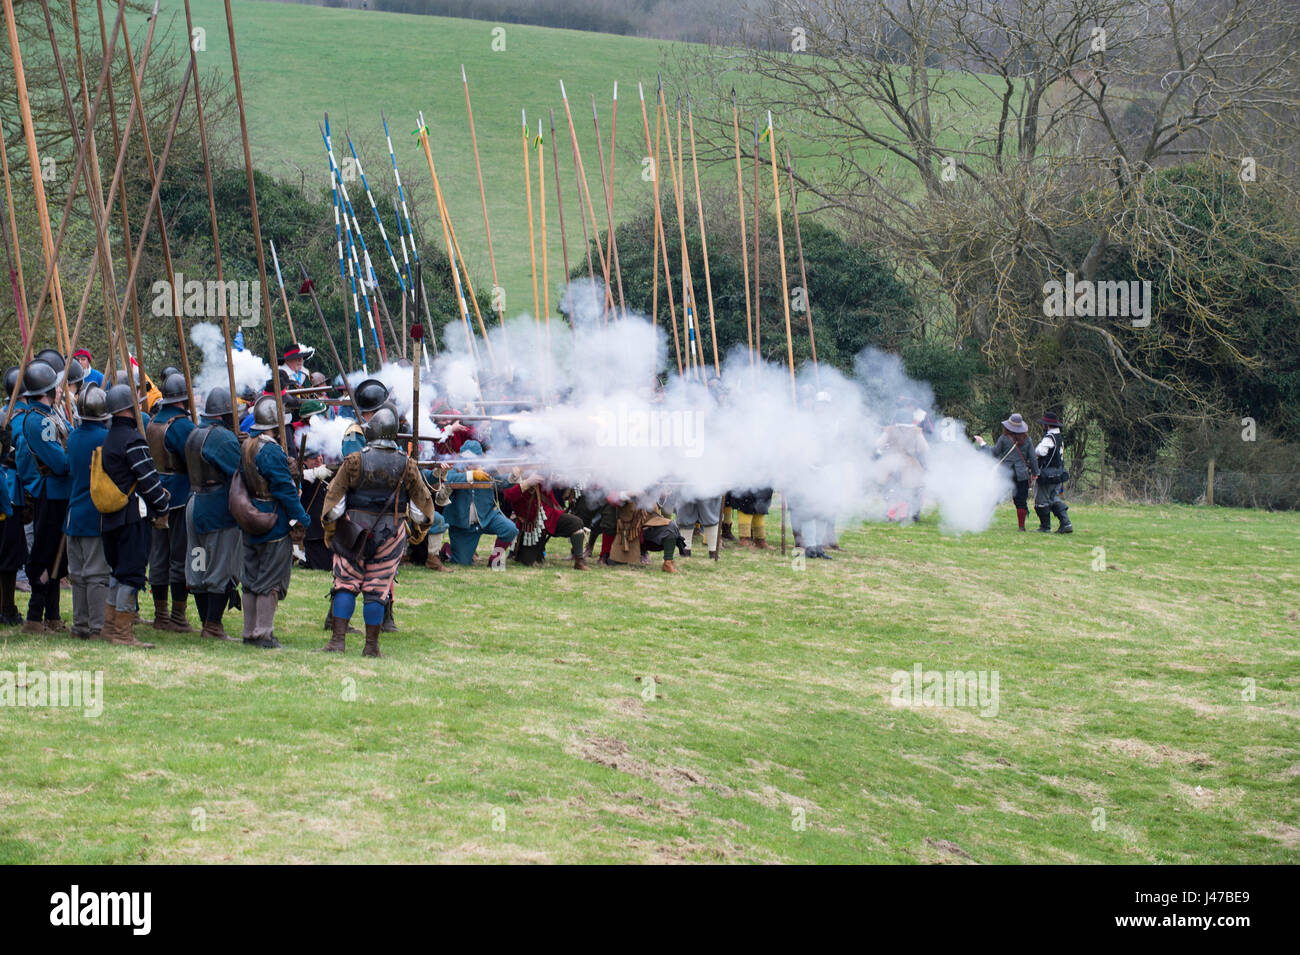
(297, 62)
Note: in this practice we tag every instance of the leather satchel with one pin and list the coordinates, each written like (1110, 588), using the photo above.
(245, 513)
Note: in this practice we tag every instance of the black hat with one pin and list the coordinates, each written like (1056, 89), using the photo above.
(1051, 420)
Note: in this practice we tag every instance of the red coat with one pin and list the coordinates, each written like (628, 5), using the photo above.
(452, 444)
(525, 504)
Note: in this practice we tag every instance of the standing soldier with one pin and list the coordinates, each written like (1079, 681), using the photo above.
(268, 557)
(377, 490)
(127, 462)
(167, 433)
(211, 460)
(43, 463)
(368, 398)
(13, 536)
(87, 565)
(1051, 476)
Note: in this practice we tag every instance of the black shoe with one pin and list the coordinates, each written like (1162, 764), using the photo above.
(1044, 528)
(686, 552)
(266, 643)
(1066, 528)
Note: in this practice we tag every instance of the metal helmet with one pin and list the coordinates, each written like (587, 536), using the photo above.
(92, 404)
(265, 417)
(39, 379)
(120, 398)
(340, 383)
(121, 376)
(73, 373)
(382, 427)
(370, 395)
(169, 371)
(174, 390)
(11, 379)
(217, 403)
(50, 357)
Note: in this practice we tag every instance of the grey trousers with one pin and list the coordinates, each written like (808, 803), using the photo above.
(89, 572)
(704, 511)
(216, 557)
(168, 550)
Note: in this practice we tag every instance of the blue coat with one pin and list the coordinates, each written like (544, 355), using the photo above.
(457, 510)
(354, 440)
(273, 464)
(93, 377)
(83, 518)
(211, 506)
(178, 485)
(40, 442)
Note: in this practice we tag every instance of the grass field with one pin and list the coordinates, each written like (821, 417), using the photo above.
(509, 719)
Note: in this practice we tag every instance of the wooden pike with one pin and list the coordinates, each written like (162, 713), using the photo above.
(546, 288)
(559, 202)
(758, 338)
(584, 195)
(803, 271)
(532, 237)
(660, 238)
(16, 255)
(162, 238)
(704, 242)
(257, 227)
(688, 292)
(611, 243)
(744, 242)
(478, 168)
(780, 251)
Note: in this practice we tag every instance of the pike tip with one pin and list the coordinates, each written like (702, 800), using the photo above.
(640, 90)
(616, 91)
(463, 78)
(563, 95)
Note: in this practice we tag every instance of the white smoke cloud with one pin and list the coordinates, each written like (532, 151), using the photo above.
(606, 421)
(250, 370)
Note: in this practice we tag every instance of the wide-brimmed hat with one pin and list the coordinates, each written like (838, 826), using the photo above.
(1050, 419)
(1016, 424)
(297, 350)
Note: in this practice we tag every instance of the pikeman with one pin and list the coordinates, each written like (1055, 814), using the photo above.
(47, 480)
(377, 492)
(129, 465)
(87, 566)
(539, 517)
(167, 433)
(211, 460)
(268, 557)
(13, 536)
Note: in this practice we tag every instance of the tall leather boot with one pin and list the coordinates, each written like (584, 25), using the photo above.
(760, 543)
(161, 615)
(1060, 509)
(338, 641)
(434, 562)
(1044, 518)
(372, 641)
(389, 625)
(110, 624)
(725, 533)
(123, 634)
(179, 599)
(264, 628)
(1021, 514)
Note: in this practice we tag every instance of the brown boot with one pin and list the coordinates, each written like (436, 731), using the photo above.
(760, 543)
(338, 637)
(161, 617)
(372, 641)
(123, 632)
(669, 568)
(434, 562)
(724, 531)
(55, 626)
(178, 622)
(213, 629)
(746, 542)
(579, 563)
(34, 626)
(110, 621)
(713, 555)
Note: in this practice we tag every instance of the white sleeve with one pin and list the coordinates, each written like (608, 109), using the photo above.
(1045, 446)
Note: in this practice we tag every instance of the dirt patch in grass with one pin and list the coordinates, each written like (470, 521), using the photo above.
(614, 753)
(1156, 755)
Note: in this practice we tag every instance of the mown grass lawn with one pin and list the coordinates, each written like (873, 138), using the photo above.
(508, 720)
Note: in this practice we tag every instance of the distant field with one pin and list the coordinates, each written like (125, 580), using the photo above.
(297, 62)
(1148, 693)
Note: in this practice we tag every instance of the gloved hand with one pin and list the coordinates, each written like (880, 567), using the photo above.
(297, 533)
(479, 476)
(322, 473)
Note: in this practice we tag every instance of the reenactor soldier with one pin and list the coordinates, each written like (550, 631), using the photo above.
(87, 566)
(13, 536)
(129, 465)
(167, 434)
(268, 557)
(377, 491)
(211, 460)
(368, 398)
(43, 465)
